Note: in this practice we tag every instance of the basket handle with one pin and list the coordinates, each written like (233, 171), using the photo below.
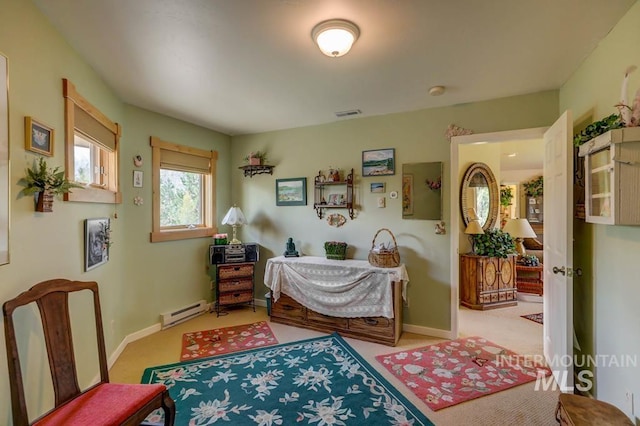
(373, 242)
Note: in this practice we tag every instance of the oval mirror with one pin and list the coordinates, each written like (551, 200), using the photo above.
(479, 197)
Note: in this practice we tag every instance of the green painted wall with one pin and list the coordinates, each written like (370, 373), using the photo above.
(417, 136)
(611, 252)
(141, 279)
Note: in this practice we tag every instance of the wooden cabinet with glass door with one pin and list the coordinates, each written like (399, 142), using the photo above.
(612, 172)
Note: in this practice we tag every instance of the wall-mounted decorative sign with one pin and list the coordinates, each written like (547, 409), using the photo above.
(38, 137)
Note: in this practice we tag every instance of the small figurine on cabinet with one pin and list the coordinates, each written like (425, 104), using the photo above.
(291, 249)
(336, 175)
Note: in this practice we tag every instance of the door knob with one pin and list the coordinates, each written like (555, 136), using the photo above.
(557, 270)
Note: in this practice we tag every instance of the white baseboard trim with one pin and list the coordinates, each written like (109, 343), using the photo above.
(132, 338)
(428, 331)
(260, 302)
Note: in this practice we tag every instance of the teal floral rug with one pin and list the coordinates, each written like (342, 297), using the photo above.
(320, 382)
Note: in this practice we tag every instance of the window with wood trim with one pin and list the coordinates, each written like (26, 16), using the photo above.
(183, 191)
(92, 144)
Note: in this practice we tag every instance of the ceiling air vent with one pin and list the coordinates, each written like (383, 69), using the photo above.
(352, 112)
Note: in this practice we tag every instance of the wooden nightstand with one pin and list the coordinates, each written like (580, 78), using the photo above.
(529, 279)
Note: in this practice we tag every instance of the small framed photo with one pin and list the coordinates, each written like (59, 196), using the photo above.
(291, 192)
(137, 178)
(377, 187)
(38, 137)
(96, 242)
(379, 162)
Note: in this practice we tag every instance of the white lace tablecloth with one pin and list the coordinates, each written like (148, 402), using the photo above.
(339, 288)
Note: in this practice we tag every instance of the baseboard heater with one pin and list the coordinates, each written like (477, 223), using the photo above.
(169, 319)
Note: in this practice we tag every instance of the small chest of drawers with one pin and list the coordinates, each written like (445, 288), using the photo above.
(234, 285)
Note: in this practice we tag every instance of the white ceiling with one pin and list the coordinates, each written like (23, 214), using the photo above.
(247, 66)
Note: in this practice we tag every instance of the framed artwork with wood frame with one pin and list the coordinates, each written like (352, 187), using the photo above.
(38, 137)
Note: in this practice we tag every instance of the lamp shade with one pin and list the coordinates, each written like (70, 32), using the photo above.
(335, 37)
(234, 217)
(471, 212)
(474, 228)
(519, 228)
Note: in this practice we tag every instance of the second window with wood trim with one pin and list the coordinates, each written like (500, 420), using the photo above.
(183, 191)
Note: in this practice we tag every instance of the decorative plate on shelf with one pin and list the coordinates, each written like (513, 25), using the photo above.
(336, 219)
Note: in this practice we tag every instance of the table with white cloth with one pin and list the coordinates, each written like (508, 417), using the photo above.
(350, 296)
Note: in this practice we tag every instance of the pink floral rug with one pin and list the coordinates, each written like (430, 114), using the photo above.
(200, 344)
(456, 371)
(534, 317)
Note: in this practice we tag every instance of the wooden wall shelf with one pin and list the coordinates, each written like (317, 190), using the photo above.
(256, 170)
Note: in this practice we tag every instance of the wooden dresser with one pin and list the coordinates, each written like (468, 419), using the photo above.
(487, 282)
(373, 329)
(373, 313)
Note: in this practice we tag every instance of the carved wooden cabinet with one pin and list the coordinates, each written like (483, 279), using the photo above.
(487, 282)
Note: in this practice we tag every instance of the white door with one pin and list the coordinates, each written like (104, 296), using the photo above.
(558, 251)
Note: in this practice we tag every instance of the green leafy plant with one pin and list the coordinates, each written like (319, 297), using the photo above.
(41, 178)
(335, 250)
(597, 128)
(494, 243)
(534, 188)
(505, 196)
(257, 154)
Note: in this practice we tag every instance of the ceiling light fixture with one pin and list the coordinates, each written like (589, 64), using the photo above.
(335, 36)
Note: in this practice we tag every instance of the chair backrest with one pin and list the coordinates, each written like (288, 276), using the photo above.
(52, 298)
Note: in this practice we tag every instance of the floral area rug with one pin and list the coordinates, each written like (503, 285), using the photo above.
(200, 344)
(452, 372)
(534, 317)
(320, 381)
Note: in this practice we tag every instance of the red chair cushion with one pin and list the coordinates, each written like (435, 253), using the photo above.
(107, 404)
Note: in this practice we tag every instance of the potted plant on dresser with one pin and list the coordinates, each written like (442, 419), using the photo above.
(487, 276)
(45, 183)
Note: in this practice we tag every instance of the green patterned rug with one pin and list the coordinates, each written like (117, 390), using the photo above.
(321, 381)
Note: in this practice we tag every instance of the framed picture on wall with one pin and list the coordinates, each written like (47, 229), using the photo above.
(96, 242)
(379, 162)
(38, 137)
(377, 187)
(291, 192)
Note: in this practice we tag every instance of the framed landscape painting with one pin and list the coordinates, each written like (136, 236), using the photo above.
(291, 192)
(379, 162)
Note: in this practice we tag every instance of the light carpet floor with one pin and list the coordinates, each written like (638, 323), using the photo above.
(521, 405)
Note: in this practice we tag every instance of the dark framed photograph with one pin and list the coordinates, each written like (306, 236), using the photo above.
(38, 137)
(291, 192)
(379, 162)
(96, 242)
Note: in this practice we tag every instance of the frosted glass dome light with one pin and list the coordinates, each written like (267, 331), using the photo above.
(335, 37)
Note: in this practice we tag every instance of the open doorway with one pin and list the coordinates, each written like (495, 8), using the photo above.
(497, 151)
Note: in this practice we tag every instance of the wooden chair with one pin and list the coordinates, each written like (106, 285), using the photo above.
(101, 404)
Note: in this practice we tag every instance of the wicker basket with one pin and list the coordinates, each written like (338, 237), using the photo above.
(384, 259)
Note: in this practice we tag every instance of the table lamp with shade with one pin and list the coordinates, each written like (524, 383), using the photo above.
(473, 228)
(235, 218)
(519, 229)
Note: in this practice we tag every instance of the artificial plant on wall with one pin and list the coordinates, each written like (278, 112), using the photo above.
(534, 188)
